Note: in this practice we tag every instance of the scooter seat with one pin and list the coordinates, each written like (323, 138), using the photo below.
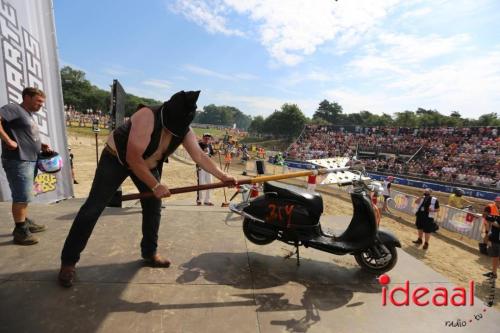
(312, 201)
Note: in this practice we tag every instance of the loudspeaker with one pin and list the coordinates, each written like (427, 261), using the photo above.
(260, 167)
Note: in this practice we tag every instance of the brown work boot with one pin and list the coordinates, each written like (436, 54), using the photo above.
(22, 236)
(417, 242)
(66, 275)
(426, 246)
(34, 227)
(156, 261)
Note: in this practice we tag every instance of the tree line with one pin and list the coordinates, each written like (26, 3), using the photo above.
(79, 93)
(332, 113)
(287, 122)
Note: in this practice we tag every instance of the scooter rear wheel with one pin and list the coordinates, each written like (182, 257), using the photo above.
(369, 260)
(259, 233)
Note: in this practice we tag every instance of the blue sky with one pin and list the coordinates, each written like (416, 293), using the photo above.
(383, 56)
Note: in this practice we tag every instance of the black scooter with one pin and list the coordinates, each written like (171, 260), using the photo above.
(293, 217)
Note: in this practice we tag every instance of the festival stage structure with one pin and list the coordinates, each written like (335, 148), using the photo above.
(29, 59)
(218, 281)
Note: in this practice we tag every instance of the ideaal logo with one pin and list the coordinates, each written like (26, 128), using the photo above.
(439, 297)
(423, 296)
(44, 182)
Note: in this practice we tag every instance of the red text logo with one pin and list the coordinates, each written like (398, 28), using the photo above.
(423, 296)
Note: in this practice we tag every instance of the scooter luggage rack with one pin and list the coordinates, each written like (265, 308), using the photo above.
(340, 173)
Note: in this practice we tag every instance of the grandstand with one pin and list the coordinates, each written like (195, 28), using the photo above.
(467, 155)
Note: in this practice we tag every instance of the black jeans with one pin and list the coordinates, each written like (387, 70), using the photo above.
(109, 175)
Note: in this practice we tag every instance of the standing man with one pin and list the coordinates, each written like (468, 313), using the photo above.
(426, 212)
(203, 176)
(492, 217)
(20, 148)
(138, 149)
(387, 191)
(71, 157)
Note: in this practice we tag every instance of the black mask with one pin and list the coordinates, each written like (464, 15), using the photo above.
(178, 112)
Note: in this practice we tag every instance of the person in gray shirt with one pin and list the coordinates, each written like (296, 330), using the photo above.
(20, 148)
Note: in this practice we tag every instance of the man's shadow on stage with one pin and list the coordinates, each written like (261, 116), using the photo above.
(32, 301)
(327, 286)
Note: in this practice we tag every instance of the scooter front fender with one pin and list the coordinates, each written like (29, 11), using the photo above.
(387, 238)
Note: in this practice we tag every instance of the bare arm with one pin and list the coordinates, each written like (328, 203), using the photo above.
(139, 138)
(11, 144)
(199, 157)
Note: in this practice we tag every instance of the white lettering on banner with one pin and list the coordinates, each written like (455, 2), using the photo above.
(32, 46)
(15, 64)
(14, 81)
(12, 55)
(8, 23)
(27, 51)
(13, 61)
(35, 77)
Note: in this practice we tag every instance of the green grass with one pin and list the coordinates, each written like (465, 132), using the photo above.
(216, 133)
(281, 144)
(85, 131)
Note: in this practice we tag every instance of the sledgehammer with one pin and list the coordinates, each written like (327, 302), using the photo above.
(254, 180)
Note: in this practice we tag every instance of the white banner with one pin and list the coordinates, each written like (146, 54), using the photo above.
(28, 55)
(462, 221)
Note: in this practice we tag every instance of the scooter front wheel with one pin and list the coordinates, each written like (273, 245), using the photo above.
(378, 259)
(258, 233)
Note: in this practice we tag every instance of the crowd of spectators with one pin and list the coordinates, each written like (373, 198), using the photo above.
(457, 155)
(86, 118)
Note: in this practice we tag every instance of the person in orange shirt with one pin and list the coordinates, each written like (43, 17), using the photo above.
(227, 159)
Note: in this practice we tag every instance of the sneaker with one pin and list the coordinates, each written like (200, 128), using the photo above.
(34, 227)
(66, 275)
(426, 246)
(208, 204)
(418, 241)
(198, 203)
(24, 237)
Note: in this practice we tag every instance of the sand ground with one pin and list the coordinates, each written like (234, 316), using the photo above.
(449, 253)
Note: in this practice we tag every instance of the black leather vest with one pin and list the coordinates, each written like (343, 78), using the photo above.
(121, 136)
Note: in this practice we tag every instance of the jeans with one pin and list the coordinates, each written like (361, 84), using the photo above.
(109, 175)
(20, 175)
